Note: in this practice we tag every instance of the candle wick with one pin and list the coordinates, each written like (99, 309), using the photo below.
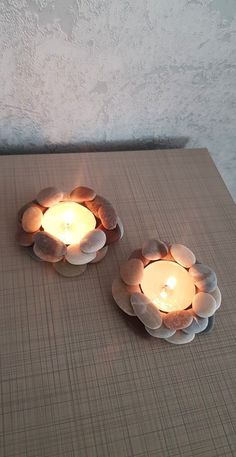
(164, 290)
(168, 288)
(68, 219)
(171, 283)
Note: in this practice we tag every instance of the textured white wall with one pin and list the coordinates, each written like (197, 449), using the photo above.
(99, 70)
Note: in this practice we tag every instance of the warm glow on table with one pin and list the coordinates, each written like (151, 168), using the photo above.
(168, 285)
(68, 221)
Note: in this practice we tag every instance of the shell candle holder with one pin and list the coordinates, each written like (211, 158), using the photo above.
(68, 230)
(172, 294)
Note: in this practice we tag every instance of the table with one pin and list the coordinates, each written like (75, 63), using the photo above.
(79, 378)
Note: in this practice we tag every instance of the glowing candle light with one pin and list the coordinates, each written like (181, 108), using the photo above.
(68, 221)
(168, 285)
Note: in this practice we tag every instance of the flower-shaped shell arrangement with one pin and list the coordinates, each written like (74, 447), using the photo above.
(69, 258)
(191, 316)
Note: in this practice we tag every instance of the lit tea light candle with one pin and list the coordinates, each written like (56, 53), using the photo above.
(168, 278)
(68, 221)
(168, 285)
(69, 230)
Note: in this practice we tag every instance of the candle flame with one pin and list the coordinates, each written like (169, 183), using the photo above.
(169, 286)
(68, 217)
(68, 221)
(171, 282)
